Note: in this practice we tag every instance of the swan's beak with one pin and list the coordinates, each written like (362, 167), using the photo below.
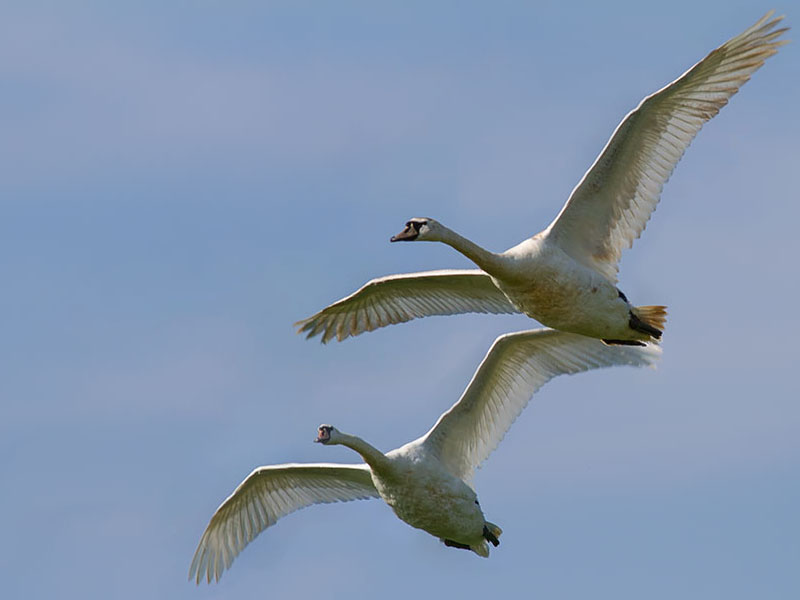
(409, 234)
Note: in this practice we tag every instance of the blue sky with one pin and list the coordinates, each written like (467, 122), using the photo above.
(181, 183)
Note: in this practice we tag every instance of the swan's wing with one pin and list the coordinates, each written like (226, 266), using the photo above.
(516, 366)
(610, 206)
(400, 298)
(268, 494)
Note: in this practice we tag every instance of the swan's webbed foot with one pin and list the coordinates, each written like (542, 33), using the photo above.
(489, 535)
(639, 325)
(453, 544)
(623, 343)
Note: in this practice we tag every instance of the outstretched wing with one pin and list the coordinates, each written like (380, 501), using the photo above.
(516, 366)
(268, 494)
(400, 298)
(611, 205)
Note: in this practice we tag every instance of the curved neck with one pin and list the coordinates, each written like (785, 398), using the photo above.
(371, 455)
(488, 261)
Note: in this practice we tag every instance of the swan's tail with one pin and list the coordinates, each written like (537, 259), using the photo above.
(481, 549)
(490, 534)
(649, 320)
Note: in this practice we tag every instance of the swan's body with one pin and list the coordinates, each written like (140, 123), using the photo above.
(427, 482)
(565, 276)
(426, 495)
(545, 283)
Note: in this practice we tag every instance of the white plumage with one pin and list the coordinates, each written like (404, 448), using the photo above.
(565, 276)
(427, 482)
(399, 298)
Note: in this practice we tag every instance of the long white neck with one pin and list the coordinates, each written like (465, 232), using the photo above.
(372, 456)
(492, 263)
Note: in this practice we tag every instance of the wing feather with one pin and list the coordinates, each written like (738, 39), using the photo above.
(266, 495)
(516, 366)
(400, 298)
(611, 205)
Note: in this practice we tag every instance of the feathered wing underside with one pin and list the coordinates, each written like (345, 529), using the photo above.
(516, 366)
(268, 494)
(400, 298)
(611, 205)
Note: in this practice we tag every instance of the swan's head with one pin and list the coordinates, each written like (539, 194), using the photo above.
(326, 434)
(419, 229)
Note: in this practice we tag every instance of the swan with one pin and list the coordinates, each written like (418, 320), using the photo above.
(565, 277)
(427, 482)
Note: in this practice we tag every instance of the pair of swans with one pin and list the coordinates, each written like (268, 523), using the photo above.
(564, 277)
(427, 482)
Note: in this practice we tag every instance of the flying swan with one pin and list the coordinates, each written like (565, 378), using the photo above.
(565, 276)
(427, 482)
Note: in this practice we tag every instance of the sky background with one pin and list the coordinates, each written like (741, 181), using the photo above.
(181, 181)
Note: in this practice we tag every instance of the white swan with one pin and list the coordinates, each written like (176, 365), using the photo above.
(427, 482)
(565, 277)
